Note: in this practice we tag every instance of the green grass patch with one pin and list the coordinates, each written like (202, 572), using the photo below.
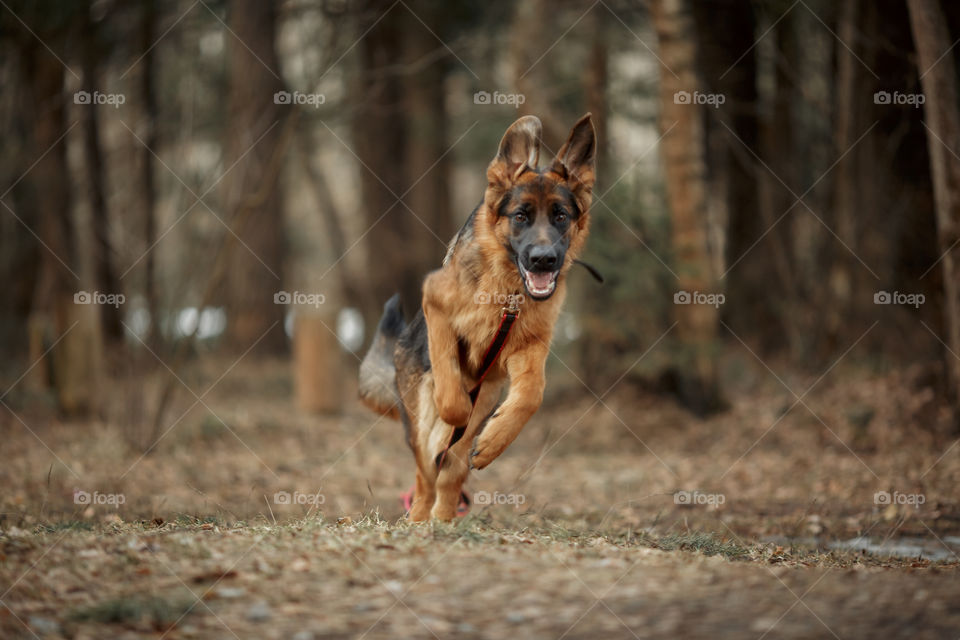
(67, 525)
(157, 611)
(709, 544)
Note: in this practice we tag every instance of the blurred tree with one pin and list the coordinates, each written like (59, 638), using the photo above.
(380, 140)
(900, 234)
(253, 201)
(683, 150)
(148, 189)
(50, 184)
(105, 275)
(64, 337)
(843, 274)
(728, 64)
(938, 75)
(427, 161)
(847, 121)
(531, 38)
(400, 137)
(780, 146)
(19, 248)
(596, 80)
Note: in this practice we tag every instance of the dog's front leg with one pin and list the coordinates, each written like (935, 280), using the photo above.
(452, 401)
(527, 381)
(451, 477)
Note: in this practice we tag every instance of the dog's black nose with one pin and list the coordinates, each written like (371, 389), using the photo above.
(543, 258)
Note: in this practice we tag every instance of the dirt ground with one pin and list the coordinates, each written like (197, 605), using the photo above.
(613, 515)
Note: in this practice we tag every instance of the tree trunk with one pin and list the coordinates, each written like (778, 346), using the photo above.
(779, 147)
(253, 201)
(379, 138)
(939, 81)
(733, 134)
(844, 273)
(148, 189)
(683, 151)
(531, 34)
(596, 77)
(427, 163)
(317, 366)
(56, 319)
(583, 295)
(381, 131)
(105, 275)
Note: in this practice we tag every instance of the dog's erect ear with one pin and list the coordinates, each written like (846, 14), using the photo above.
(577, 157)
(519, 151)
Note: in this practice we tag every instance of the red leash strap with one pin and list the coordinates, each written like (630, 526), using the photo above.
(509, 316)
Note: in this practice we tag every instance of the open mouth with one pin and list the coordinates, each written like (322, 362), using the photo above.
(539, 285)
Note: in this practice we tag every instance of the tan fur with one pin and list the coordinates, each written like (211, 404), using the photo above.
(436, 400)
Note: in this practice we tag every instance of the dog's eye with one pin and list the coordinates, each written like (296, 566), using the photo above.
(520, 217)
(560, 217)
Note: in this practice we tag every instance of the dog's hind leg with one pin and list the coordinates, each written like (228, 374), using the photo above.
(424, 496)
(427, 435)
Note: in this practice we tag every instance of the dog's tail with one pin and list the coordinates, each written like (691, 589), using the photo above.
(378, 374)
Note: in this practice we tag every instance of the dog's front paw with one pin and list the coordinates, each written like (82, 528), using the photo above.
(483, 453)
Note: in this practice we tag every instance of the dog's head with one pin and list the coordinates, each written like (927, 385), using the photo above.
(541, 216)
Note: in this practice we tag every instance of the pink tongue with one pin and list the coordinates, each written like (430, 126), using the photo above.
(540, 280)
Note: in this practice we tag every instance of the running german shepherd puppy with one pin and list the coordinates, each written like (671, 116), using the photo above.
(517, 245)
